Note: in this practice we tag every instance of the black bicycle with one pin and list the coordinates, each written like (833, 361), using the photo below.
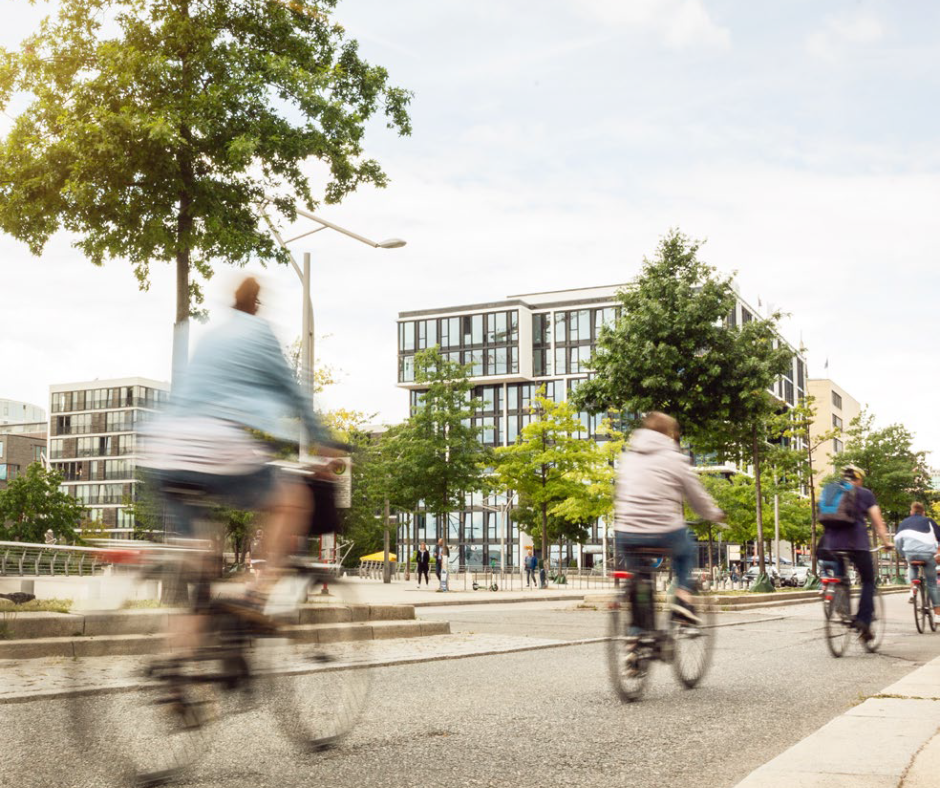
(923, 606)
(840, 624)
(639, 636)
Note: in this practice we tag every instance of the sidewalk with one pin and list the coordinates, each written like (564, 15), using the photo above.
(402, 592)
(891, 740)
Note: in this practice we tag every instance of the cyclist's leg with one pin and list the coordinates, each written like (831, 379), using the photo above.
(682, 552)
(866, 572)
(287, 514)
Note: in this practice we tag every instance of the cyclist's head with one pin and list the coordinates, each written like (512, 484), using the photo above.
(660, 422)
(853, 473)
(246, 296)
(918, 508)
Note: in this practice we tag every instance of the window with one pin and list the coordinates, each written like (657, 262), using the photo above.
(541, 362)
(836, 422)
(406, 369)
(561, 361)
(476, 333)
(406, 336)
(800, 375)
(541, 330)
(746, 317)
(1, 448)
(837, 446)
(37, 453)
(788, 391)
(837, 400)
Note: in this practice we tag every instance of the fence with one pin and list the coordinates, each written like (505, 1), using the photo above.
(43, 560)
(463, 578)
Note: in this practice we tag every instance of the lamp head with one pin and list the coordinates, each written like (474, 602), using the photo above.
(391, 243)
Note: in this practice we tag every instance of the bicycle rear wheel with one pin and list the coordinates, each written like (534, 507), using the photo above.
(878, 624)
(316, 668)
(838, 620)
(693, 644)
(920, 603)
(628, 659)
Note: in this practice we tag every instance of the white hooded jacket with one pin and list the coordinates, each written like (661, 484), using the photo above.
(653, 479)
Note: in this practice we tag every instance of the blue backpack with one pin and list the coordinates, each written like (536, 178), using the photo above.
(837, 507)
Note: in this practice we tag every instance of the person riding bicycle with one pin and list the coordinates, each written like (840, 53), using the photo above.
(653, 479)
(854, 540)
(237, 384)
(918, 539)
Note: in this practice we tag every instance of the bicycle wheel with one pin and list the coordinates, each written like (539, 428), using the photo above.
(627, 657)
(693, 645)
(316, 667)
(838, 620)
(140, 719)
(920, 604)
(930, 615)
(878, 624)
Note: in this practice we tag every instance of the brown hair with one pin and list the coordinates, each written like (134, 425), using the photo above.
(246, 296)
(918, 507)
(660, 422)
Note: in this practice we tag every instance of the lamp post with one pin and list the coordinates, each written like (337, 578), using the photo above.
(307, 338)
(502, 509)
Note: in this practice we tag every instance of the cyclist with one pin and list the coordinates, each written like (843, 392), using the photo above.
(653, 479)
(918, 539)
(237, 384)
(854, 541)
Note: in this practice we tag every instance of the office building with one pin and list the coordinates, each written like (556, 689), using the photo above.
(514, 347)
(17, 452)
(835, 410)
(93, 430)
(16, 412)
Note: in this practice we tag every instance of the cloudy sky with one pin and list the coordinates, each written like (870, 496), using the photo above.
(554, 142)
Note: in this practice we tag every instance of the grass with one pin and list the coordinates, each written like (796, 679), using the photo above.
(142, 604)
(37, 606)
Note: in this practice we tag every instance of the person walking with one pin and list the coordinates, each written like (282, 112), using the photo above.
(443, 563)
(531, 565)
(438, 558)
(424, 564)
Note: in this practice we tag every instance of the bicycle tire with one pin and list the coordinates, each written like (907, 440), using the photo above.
(920, 601)
(317, 677)
(838, 616)
(140, 718)
(692, 646)
(931, 617)
(627, 658)
(878, 624)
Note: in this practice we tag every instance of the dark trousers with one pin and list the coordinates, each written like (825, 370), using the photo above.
(530, 577)
(423, 570)
(866, 573)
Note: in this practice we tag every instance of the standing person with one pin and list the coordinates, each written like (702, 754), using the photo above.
(918, 539)
(653, 479)
(444, 564)
(438, 558)
(854, 539)
(424, 564)
(530, 566)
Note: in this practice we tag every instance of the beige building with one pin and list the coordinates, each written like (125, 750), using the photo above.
(835, 409)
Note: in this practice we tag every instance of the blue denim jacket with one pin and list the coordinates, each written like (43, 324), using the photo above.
(238, 373)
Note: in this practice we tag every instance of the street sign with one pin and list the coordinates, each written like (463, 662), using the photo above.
(734, 552)
(342, 472)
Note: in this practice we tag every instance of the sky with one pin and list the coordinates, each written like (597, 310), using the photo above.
(555, 141)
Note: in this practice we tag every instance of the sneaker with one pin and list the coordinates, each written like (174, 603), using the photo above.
(685, 612)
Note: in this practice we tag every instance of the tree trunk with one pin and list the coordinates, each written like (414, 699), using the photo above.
(812, 504)
(544, 538)
(760, 511)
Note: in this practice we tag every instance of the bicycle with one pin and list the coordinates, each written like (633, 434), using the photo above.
(923, 607)
(840, 623)
(636, 641)
(241, 660)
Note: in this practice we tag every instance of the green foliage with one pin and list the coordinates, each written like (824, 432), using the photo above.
(147, 509)
(896, 473)
(362, 522)
(156, 130)
(239, 528)
(33, 503)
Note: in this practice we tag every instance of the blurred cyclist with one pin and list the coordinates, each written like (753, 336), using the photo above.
(237, 383)
(918, 539)
(854, 541)
(653, 479)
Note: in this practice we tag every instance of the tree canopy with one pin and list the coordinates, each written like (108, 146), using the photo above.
(32, 504)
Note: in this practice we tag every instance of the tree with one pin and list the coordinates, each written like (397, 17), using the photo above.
(33, 504)
(156, 131)
(238, 529)
(673, 349)
(436, 456)
(552, 470)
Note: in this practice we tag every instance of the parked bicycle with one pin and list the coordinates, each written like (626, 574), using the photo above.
(840, 623)
(639, 636)
(923, 607)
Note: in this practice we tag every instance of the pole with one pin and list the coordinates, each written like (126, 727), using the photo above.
(777, 531)
(812, 500)
(386, 566)
(306, 351)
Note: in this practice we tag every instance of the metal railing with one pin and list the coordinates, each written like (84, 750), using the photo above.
(510, 579)
(24, 559)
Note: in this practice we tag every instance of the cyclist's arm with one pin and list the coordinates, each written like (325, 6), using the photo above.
(698, 498)
(874, 514)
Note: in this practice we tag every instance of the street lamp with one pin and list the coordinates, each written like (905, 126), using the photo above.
(504, 510)
(307, 340)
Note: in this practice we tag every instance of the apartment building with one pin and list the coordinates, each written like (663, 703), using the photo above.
(93, 430)
(17, 452)
(835, 409)
(514, 347)
(14, 411)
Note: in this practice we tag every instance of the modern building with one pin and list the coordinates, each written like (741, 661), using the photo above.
(17, 452)
(15, 412)
(514, 347)
(835, 409)
(93, 430)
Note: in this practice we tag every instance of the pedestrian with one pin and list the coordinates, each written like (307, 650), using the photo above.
(531, 564)
(438, 555)
(424, 564)
(443, 563)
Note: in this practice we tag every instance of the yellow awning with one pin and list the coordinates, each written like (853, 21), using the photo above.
(379, 557)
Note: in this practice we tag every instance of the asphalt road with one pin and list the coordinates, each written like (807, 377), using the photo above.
(535, 718)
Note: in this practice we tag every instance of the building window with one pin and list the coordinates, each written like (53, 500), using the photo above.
(800, 375)
(37, 453)
(406, 336)
(836, 421)
(837, 446)
(788, 391)
(1, 448)
(837, 400)
(406, 369)
(746, 316)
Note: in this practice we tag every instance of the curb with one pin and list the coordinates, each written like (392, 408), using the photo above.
(889, 740)
(550, 597)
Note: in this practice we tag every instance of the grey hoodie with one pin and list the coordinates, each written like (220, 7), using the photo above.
(652, 480)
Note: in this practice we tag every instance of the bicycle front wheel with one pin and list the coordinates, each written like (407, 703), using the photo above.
(838, 621)
(317, 666)
(627, 658)
(693, 644)
(920, 606)
(878, 624)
